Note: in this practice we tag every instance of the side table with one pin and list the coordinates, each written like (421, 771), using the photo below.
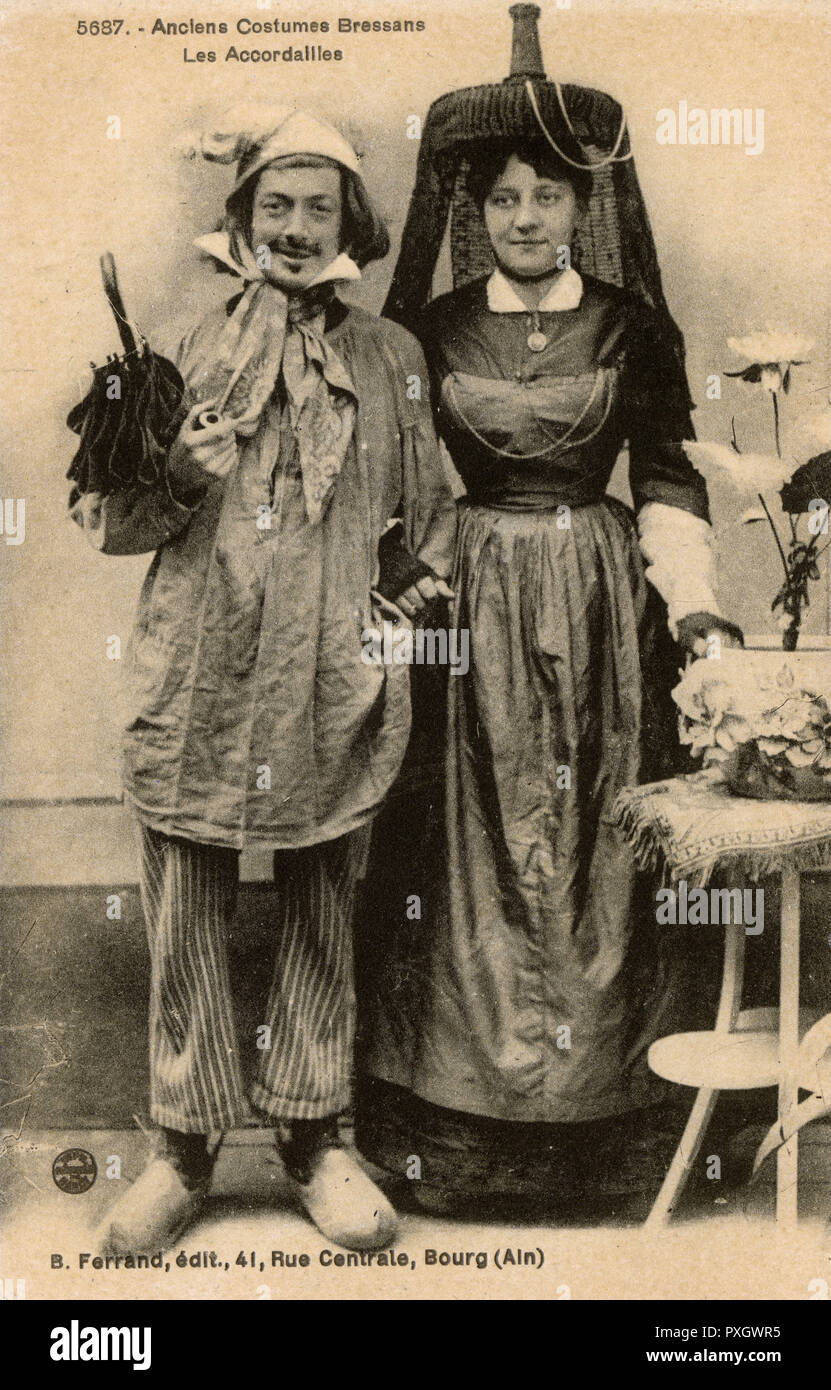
(689, 828)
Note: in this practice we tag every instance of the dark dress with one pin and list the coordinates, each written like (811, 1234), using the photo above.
(513, 1015)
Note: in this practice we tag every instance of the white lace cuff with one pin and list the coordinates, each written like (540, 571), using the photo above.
(678, 549)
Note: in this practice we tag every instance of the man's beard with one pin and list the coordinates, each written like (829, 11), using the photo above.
(292, 281)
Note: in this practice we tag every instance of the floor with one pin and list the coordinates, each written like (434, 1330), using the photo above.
(251, 1239)
(73, 991)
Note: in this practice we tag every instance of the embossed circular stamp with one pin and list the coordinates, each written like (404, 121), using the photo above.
(74, 1171)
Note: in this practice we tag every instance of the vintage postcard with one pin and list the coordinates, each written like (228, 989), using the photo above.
(415, 796)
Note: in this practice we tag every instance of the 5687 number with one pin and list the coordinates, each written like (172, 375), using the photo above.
(99, 26)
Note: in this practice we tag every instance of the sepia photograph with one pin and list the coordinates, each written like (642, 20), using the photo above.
(415, 796)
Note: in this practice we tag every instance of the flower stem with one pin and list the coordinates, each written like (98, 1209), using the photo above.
(790, 636)
(775, 396)
(775, 537)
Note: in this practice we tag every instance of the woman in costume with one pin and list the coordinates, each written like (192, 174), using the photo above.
(523, 976)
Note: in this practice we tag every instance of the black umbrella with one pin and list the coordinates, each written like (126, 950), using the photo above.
(131, 413)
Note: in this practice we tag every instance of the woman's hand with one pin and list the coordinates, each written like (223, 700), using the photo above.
(199, 453)
(421, 593)
(696, 629)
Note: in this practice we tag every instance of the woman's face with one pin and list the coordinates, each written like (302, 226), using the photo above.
(297, 215)
(530, 218)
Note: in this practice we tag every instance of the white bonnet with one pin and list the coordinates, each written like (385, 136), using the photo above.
(254, 136)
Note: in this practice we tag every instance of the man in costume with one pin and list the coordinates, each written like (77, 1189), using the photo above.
(304, 489)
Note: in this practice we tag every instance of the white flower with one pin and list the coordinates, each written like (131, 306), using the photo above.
(748, 473)
(771, 347)
(818, 428)
(771, 356)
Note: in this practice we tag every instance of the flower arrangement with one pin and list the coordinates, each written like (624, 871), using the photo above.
(760, 724)
(803, 487)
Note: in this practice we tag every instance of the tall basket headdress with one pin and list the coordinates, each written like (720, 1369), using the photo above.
(586, 128)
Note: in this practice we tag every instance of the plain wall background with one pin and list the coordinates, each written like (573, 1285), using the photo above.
(743, 242)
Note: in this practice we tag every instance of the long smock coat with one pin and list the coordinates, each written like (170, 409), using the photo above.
(254, 718)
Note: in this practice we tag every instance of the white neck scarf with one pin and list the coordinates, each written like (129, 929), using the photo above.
(267, 333)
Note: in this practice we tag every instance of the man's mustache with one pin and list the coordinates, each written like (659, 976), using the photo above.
(292, 248)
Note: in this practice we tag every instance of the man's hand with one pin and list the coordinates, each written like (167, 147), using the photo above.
(421, 593)
(199, 453)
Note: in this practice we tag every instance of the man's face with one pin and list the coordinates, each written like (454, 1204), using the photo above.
(297, 215)
(529, 219)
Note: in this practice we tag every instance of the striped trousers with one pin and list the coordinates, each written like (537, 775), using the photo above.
(188, 894)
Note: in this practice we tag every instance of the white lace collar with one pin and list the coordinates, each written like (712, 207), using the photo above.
(565, 293)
